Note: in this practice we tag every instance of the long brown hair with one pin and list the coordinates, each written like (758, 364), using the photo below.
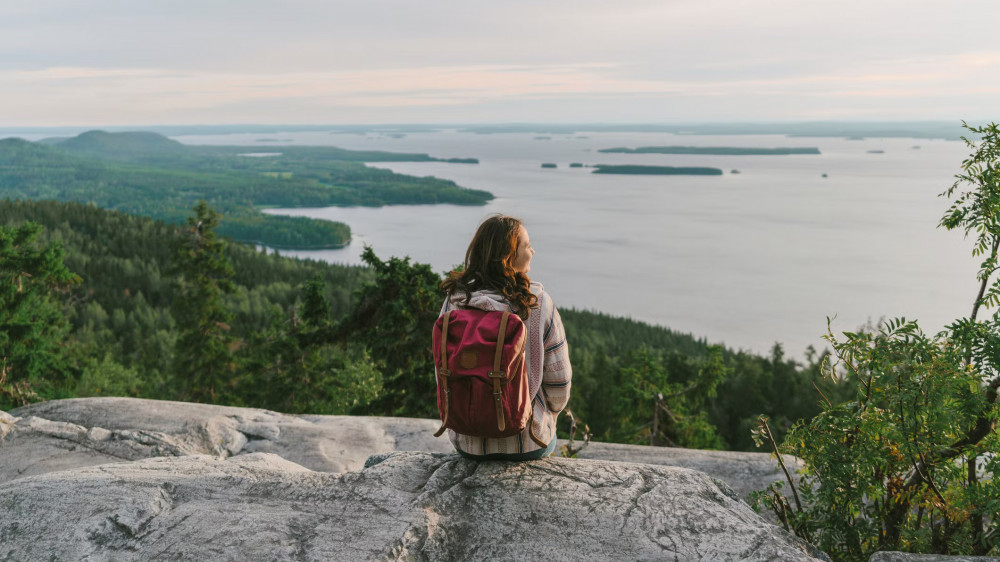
(489, 265)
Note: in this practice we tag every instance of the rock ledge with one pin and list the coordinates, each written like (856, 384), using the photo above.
(404, 505)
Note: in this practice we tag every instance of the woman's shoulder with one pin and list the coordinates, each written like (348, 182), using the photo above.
(536, 288)
(544, 300)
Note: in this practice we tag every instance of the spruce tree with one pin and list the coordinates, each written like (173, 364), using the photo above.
(203, 357)
(392, 318)
(315, 308)
(33, 358)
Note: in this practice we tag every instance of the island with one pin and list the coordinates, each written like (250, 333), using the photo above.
(632, 169)
(549, 165)
(576, 165)
(713, 150)
(876, 152)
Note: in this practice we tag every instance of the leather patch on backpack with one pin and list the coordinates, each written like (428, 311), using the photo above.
(468, 359)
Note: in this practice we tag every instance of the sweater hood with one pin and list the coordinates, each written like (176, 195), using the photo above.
(488, 300)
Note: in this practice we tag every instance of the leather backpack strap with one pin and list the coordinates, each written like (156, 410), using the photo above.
(496, 374)
(444, 372)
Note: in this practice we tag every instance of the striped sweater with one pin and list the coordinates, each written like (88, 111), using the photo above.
(549, 372)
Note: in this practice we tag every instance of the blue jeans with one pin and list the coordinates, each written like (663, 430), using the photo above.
(530, 456)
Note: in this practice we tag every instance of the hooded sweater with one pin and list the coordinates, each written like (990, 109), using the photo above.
(549, 372)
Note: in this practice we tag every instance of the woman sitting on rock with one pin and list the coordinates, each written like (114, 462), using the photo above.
(495, 277)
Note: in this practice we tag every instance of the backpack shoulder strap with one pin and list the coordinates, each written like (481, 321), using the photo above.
(496, 374)
(443, 371)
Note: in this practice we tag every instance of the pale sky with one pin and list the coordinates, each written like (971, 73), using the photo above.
(140, 62)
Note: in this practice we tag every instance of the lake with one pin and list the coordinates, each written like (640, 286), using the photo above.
(748, 259)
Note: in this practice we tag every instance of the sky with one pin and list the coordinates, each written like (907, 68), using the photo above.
(136, 62)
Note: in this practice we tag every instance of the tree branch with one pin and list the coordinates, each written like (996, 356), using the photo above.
(983, 285)
(766, 429)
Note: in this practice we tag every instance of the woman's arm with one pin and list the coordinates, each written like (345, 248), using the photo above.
(557, 373)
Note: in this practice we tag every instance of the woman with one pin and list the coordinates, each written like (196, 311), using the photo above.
(495, 277)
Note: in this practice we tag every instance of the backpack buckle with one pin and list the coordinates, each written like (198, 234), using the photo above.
(497, 375)
(444, 372)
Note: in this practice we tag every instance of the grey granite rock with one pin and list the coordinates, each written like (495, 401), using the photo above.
(63, 434)
(744, 472)
(404, 506)
(892, 556)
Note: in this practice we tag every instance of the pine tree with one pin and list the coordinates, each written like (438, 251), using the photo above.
(315, 309)
(33, 359)
(203, 358)
(392, 319)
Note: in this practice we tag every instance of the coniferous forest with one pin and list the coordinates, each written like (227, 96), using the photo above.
(139, 299)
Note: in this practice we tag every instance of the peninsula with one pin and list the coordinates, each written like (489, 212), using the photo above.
(148, 174)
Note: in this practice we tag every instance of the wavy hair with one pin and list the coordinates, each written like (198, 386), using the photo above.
(489, 266)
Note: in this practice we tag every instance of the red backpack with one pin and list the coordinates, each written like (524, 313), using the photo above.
(481, 373)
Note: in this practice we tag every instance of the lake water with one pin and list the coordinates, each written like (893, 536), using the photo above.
(747, 259)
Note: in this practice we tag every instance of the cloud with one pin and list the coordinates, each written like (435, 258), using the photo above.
(311, 77)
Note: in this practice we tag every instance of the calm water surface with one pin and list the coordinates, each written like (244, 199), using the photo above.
(748, 259)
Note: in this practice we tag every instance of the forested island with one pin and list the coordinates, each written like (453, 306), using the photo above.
(149, 174)
(637, 170)
(713, 150)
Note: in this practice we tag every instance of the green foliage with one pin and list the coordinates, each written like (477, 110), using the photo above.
(124, 304)
(107, 378)
(315, 307)
(649, 408)
(392, 318)
(976, 210)
(33, 171)
(204, 362)
(297, 368)
(776, 386)
(909, 463)
(33, 359)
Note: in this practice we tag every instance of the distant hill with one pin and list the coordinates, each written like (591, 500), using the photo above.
(147, 147)
(123, 146)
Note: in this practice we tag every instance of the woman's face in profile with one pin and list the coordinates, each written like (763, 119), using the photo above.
(522, 257)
